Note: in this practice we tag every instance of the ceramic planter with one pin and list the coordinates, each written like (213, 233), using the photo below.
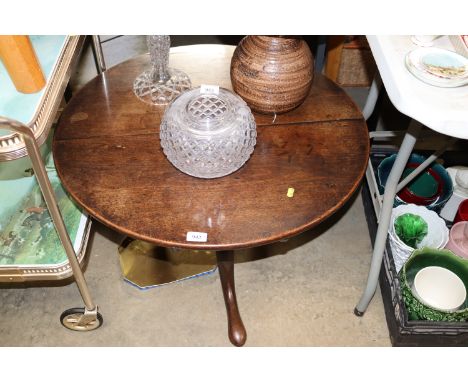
(437, 235)
(272, 74)
(420, 259)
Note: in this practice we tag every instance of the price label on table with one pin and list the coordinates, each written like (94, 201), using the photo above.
(201, 237)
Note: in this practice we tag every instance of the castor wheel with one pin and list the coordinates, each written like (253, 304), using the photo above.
(76, 319)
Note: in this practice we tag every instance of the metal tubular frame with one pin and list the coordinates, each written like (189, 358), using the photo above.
(372, 96)
(385, 214)
(48, 193)
(392, 187)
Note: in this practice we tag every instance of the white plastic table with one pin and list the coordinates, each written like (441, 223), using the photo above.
(444, 110)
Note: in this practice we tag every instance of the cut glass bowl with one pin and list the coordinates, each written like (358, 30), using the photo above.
(208, 134)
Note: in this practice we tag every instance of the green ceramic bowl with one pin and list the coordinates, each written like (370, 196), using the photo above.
(425, 185)
(426, 257)
(383, 172)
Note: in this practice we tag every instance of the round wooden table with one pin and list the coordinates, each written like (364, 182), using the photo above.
(108, 155)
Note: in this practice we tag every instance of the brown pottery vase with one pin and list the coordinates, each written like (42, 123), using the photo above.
(272, 74)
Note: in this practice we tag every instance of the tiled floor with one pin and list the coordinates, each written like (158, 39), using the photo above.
(298, 293)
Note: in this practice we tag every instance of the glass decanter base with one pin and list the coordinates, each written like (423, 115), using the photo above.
(161, 93)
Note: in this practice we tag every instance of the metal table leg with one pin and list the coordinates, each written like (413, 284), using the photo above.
(385, 215)
(372, 97)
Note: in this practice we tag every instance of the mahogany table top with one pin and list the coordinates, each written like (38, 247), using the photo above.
(108, 155)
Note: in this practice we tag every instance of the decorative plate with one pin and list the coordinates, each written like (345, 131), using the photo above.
(438, 67)
(439, 288)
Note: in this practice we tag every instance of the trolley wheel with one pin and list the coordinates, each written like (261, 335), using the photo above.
(71, 318)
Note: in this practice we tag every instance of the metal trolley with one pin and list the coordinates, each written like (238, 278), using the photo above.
(24, 144)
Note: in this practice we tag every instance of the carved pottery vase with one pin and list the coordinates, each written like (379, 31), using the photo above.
(272, 74)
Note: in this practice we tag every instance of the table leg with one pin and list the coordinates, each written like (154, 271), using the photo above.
(236, 329)
(384, 222)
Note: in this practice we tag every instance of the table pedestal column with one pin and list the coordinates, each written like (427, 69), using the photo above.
(236, 329)
(147, 265)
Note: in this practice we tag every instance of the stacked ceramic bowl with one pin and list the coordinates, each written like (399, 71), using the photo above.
(459, 176)
(434, 286)
(458, 239)
(432, 188)
(436, 237)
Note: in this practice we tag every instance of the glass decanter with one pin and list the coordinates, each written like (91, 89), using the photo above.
(160, 84)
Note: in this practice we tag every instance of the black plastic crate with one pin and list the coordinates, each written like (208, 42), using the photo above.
(404, 332)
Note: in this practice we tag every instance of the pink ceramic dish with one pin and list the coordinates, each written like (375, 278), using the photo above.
(458, 239)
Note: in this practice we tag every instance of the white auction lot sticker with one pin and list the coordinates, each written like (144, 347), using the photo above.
(209, 89)
(197, 236)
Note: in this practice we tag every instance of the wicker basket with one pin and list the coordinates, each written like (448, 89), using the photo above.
(357, 66)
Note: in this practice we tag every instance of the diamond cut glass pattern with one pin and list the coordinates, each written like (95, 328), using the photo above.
(208, 135)
(160, 84)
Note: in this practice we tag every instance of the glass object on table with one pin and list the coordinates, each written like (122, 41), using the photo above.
(438, 67)
(160, 84)
(424, 40)
(208, 133)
